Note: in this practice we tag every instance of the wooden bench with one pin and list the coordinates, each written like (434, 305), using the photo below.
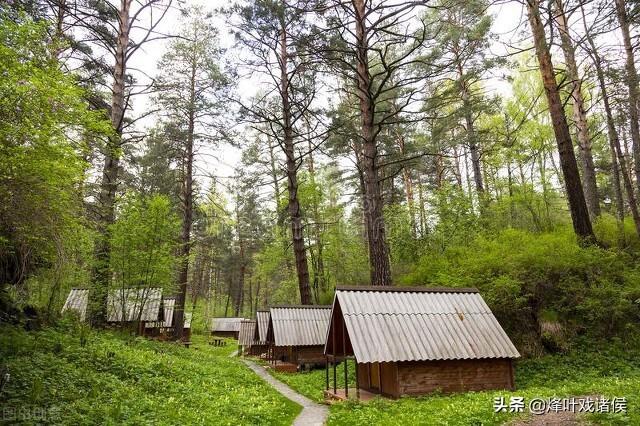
(218, 342)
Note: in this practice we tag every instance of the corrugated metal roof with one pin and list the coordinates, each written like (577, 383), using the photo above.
(262, 318)
(77, 300)
(169, 305)
(424, 324)
(299, 325)
(247, 333)
(125, 304)
(226, 324)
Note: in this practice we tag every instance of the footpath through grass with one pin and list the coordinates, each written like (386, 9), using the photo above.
(118, 379)
(612, 373)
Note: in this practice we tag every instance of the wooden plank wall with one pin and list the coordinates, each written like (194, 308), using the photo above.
(416, 378)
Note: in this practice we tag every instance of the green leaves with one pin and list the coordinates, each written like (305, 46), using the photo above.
(143, 242)
(141, 383)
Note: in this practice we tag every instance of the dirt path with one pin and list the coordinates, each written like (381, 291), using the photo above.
(312, 414)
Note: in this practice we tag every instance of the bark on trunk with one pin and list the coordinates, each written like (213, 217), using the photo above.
(408, 188)
(568, 163)
(376, 236)
(473, 146)
(632, 85)
(109, 182)
(297, 229)
(620, 168)
(187, 214)
(589, 185)
(472, 138)
(320, 282)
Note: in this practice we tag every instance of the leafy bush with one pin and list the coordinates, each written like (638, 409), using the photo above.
(525, 276)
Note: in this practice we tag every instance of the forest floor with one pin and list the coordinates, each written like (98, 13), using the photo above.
(118, 379)
(612, 373)
(67, 375)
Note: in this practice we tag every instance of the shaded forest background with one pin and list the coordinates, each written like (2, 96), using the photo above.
(386, 144)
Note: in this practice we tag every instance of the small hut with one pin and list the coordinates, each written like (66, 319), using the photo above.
(413, 341)
(260, 346)
(296, 336)
(164, 329)
(135, 307)
(77, 301)
(226, 327)
(246, 336)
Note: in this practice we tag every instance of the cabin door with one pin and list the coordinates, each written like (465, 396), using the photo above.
(374, 377)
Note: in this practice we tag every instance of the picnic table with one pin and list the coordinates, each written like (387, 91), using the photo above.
(218, 342)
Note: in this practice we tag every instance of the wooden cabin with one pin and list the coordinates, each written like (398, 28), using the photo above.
(135, 307)
(246, 337)
(260, 346)
(164, 329)
(414, 341)
(296, 336)
(226, 327)
(77, 302)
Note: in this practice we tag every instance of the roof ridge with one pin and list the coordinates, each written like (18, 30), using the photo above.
(370, 288)
(300, 307)
(416, 313)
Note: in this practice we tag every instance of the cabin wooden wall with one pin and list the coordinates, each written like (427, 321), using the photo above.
(256, 350)
(415, 378)
(379, 377)
(310, 355)
(229, 334)
(423, 377)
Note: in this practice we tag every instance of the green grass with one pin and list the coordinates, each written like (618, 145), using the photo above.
(313, 383)
(614, 372)
(118, 379)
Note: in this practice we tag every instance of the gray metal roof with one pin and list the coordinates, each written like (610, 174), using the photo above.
(262, 318)
(125, 304)
(77, 300)
(226, 324)
(421, 324)
(169, 305)
(247, 333)
(299, 325)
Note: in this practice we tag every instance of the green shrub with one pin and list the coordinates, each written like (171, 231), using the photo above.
(522, 275)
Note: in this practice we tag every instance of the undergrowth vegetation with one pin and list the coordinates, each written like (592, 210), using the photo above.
(68, 375)
(545, 288)
(614, 372)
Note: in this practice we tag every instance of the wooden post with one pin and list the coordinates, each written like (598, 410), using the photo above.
(326, 371)
(344, 360)
(335, 377)
(357, 380)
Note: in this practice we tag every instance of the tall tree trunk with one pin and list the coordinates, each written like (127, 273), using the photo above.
(320, 281)
(589, 185)
(408, 187)
(109, 183)
(472, 140)
(568, 163)
(632, 85)
(619, 167)
(376, 235)
(187, 213)
(239, 293)
(421, 210)
(297, 229)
